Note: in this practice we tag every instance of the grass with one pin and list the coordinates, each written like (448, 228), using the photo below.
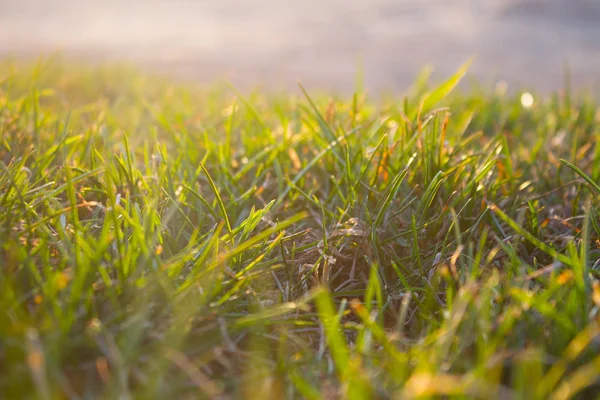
(158, 239)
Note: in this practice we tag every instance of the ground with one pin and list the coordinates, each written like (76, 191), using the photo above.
(322, 43)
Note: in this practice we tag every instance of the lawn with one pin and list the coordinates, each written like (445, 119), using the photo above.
(163, 240)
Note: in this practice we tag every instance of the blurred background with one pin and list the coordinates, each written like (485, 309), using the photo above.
(323, 43)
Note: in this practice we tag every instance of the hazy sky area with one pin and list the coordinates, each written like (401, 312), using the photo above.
(320, 42)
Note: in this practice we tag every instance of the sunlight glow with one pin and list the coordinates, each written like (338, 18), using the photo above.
(526, 100)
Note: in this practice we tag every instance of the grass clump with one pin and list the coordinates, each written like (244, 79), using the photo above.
(160, 240)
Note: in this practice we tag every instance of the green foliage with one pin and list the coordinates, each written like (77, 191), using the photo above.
(165, 240)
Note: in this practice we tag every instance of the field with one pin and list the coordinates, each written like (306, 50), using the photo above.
(162, 240)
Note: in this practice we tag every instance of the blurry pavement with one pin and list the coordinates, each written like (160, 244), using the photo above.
(320, 42)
